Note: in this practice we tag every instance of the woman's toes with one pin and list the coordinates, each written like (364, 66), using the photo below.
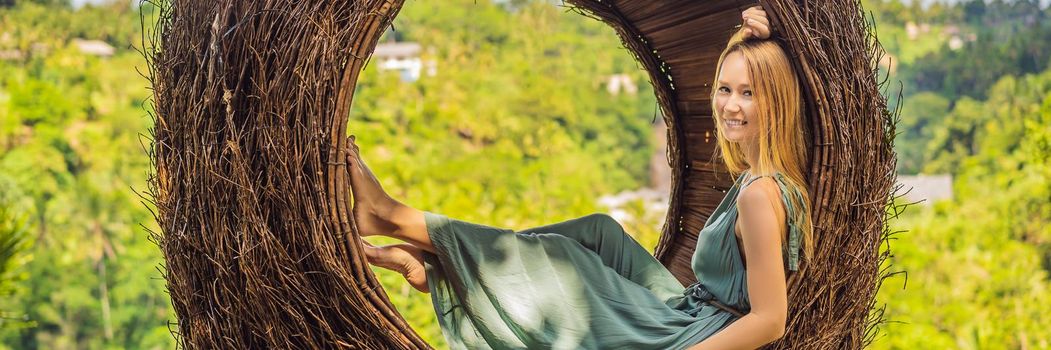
(416, 275)
(413, 270)
(352, 147)
(403, 258)
(374, 254)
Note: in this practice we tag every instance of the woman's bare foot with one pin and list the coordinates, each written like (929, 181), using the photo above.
(372, 206)
(376, 213)
(404, 258)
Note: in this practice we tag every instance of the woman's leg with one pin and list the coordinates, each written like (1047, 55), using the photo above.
(376, 213)
(621, 252)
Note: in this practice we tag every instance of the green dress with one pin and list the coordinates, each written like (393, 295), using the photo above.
(582, 284)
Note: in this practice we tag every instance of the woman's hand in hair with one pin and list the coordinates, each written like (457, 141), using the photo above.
(755, 24)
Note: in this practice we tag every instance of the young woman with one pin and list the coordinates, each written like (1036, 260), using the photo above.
(585, 283)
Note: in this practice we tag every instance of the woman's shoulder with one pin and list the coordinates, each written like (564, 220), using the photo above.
(761, 193)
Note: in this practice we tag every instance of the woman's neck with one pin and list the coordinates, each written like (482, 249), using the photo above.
(751, 155)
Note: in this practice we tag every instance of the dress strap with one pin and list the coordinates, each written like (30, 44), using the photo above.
(795, 233)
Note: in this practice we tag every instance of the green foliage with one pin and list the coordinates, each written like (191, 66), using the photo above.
(924, 114)
(14, 243)
(515, 129)
(70, 147)
(978, 265)
(986, 131)
(35, 27)
(1009, 39)
(530, 103)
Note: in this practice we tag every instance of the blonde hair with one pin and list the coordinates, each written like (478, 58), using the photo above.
(782, 133)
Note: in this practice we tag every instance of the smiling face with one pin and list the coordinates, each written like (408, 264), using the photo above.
(757, 106)
(734, 103)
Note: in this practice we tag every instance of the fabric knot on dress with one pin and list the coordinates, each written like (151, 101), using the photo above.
(700, 293)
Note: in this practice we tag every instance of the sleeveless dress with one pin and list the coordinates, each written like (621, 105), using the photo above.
(584, 284)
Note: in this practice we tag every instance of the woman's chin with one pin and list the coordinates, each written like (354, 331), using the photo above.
(739, 136)
(735, 137)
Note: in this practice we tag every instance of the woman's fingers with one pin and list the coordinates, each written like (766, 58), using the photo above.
(754, 11)
(759, 30)
(756, 23)
(753, 28)
(756, 18)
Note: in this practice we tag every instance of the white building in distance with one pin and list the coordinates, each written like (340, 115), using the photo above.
(925, 189)
(403, 57)
(618, 83)
(94, 47)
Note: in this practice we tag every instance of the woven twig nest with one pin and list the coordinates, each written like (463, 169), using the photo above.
(251, 100)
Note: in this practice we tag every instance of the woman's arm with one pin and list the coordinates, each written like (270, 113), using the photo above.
(761, 221)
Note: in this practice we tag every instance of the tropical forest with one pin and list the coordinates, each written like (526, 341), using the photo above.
(517, 114)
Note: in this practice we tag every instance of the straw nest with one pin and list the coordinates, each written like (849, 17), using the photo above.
(251, 100)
